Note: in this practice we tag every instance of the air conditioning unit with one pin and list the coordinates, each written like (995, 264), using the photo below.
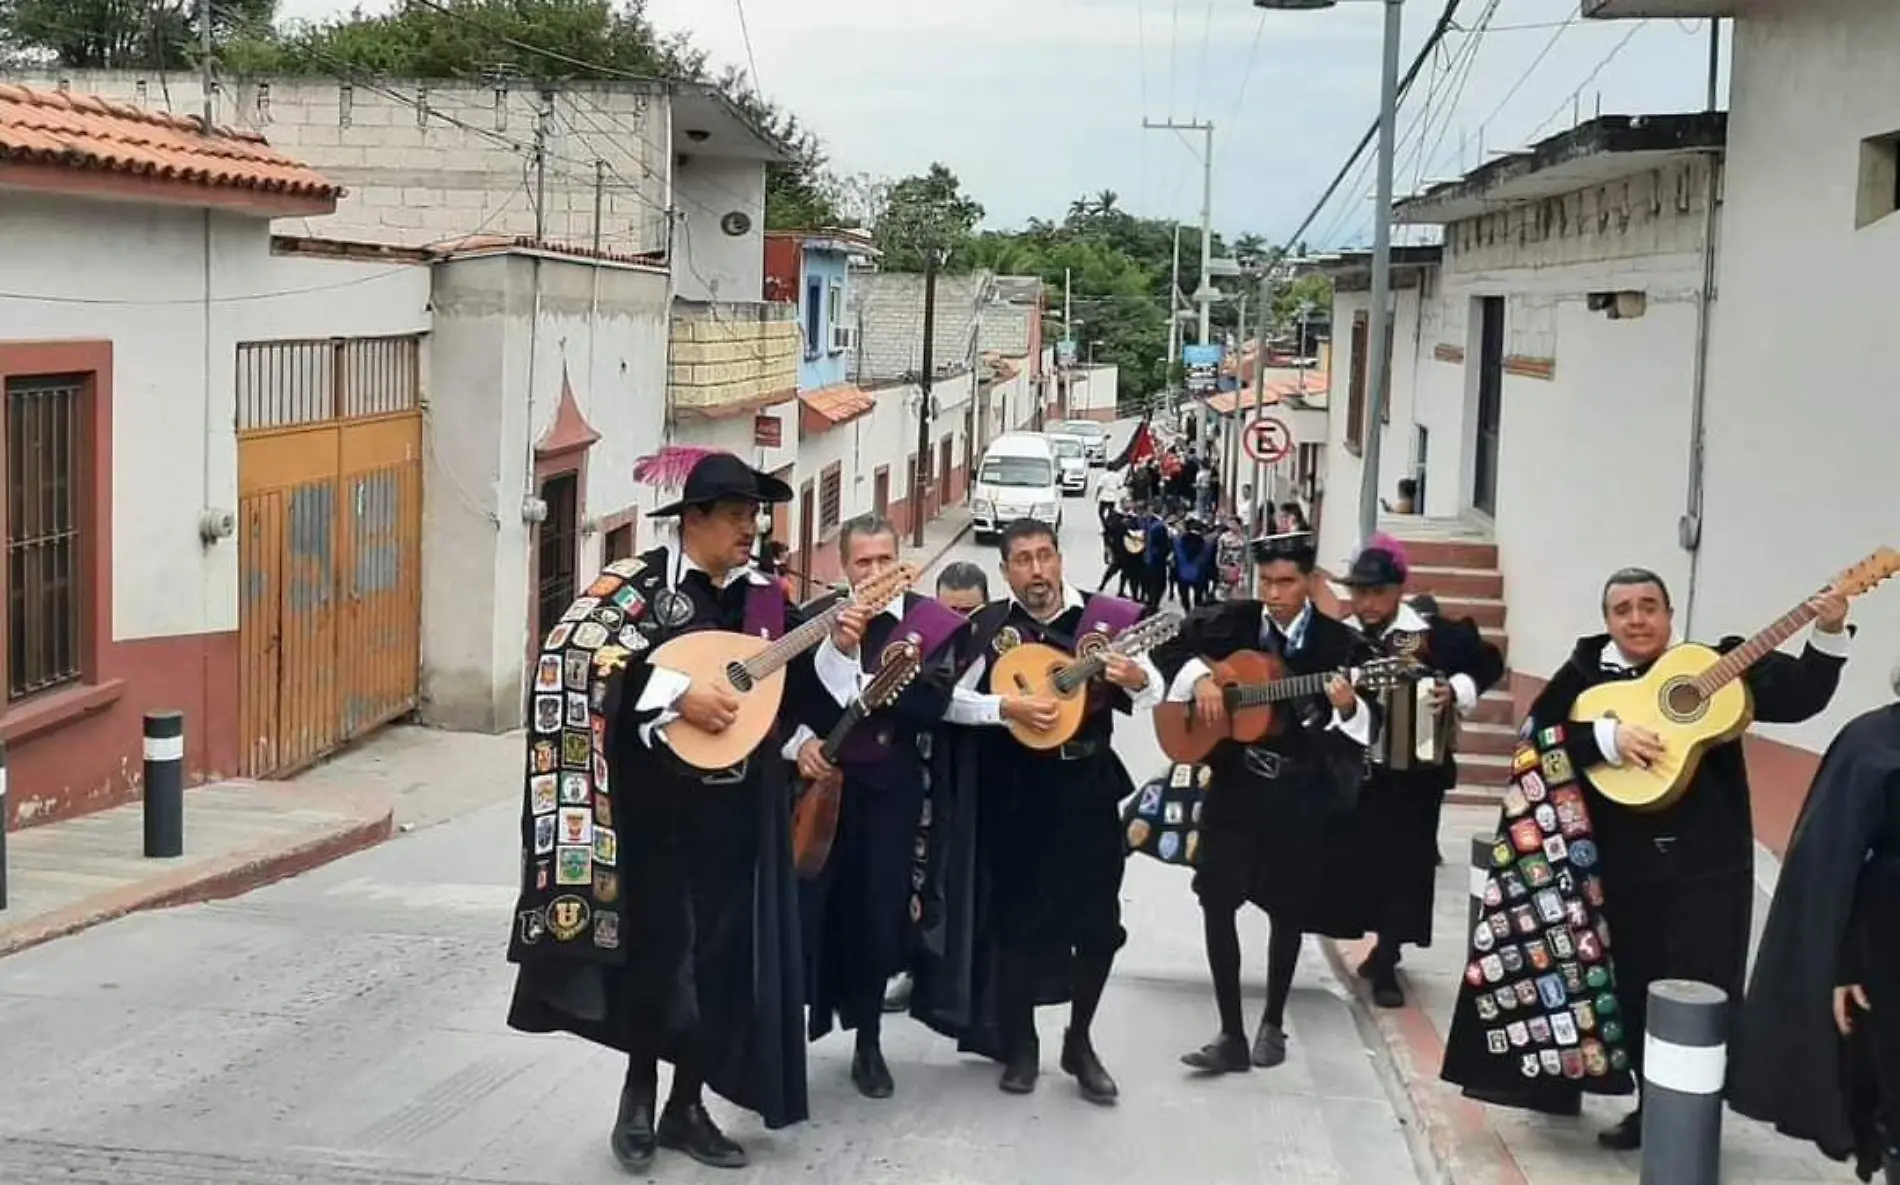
(844, 337)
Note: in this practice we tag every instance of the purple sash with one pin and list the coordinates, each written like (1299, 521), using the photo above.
(765, 610)
(928, 625)
(1108, 615)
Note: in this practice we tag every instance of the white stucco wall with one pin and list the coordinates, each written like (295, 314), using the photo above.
(1343, 467)
(714, 265)
(1802, 418)
(497, 377)
(136, 275)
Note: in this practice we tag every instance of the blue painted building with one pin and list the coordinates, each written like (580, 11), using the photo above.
(812, 269)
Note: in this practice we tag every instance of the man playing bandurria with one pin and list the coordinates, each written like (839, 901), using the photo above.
(857, 910)
(1678, 883)
(1034, 876)
(658, 912)
(1385, 856)
(1263, 830)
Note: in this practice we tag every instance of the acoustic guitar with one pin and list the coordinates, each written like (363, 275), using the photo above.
(815, 819)
(753, 671)
(1694, 698)
(1036, 669)
(1252, 683)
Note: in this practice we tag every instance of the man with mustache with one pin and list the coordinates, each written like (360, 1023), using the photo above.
(1032, 874)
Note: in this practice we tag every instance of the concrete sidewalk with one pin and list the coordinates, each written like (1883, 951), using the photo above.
(1480, 1145)
(66, 876)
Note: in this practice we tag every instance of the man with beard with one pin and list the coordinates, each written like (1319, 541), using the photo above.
(1032, 875)
(657, 913)
(1678, 883)
(857, 908)
(1263, 830)
(1817, 1046)
(1381, 876)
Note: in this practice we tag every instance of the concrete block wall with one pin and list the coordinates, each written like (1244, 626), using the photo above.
(423, 162)
(891, 313)
(1648, 214)
(730, 354)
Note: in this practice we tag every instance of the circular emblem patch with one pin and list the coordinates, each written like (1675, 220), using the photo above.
(673, 608)
(1007, 639)
(567, 918)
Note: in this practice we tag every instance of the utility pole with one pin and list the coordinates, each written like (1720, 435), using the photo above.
(1230, 448)
(1066, 379)
(1378, 372)
(204, 65)
(541, 167)
(600, 188)
(1174, 320)
(1204, 294)
(923, 402)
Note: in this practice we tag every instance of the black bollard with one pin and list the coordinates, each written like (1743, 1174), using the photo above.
(1481, 846)
(1685, 1061)
(164, 785)
(3, 824)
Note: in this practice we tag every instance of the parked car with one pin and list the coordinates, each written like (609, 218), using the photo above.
(1016, 479)
(1094, 438)
(1072, 463)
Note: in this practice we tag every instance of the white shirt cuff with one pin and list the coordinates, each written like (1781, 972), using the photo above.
(804, 733)
(973, 708)
(1832, 645)
(1151, 693)
(663, 690)
(1606, 740)
(1465, 688)
(1358, 728)
(838, 673)
(1182, 689)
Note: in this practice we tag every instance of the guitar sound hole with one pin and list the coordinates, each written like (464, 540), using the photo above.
(1682, 701)
(738, 676)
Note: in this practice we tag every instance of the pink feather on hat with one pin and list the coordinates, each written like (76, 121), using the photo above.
(1381, 541)
(669, 468)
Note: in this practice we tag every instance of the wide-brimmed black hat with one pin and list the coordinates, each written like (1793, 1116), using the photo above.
(722, 477)
(1374, 567)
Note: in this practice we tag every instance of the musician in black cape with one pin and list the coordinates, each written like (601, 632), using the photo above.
(658, 912)
(1678, 883)
(858, 910)
(1030, 869)
(1816, 1050)
(1383, 870)
(1263, 827)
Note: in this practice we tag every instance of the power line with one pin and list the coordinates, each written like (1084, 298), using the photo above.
(1600, 66)
(1526, 75)
(1174, 50)
(1200, 76)
(745, 34)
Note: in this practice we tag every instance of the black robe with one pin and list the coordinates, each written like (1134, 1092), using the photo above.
(1026, 850)
(1382, 873)
(689, 939)
(1263, 840)
(861, 909)
(1832, 923)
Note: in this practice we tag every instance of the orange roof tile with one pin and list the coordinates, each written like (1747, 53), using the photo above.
(829, 407)
(80, 134)
(1278, 391)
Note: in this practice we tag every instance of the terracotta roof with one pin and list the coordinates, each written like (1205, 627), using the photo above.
(1278, 391)
(78, 134)
(829, 407)
(475, 244)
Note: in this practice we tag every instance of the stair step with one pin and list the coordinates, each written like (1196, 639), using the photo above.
(1496, 635)
(1495, 707)
(1457, 582)
(1482, 610)
(1446, 553)
(1477, 736)
(1466, 795)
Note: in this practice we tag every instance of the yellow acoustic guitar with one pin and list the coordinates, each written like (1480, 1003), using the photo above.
(1694, 699)
(1034, 668)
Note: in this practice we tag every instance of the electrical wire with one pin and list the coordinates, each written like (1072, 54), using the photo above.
(745, 35)
(1600, 67)
(1526, 75)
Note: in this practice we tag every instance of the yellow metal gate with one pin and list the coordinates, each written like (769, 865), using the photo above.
(329, 543)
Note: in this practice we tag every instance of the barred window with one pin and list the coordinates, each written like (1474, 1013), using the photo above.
(830, 496)
(45, 602)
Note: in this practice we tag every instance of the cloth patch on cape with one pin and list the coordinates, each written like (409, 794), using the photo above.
(1163, 819)
(1541, 948)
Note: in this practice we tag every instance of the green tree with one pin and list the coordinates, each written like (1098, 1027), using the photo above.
(925, 213)
(121, 34)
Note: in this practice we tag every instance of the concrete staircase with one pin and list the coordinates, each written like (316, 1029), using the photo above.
(1457, 563)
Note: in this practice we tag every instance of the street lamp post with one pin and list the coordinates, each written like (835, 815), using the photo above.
(1377, 371)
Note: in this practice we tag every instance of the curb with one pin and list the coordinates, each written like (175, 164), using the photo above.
(231, 876)
(1463, 1147)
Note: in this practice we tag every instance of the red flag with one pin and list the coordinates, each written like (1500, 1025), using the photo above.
(1140, 447)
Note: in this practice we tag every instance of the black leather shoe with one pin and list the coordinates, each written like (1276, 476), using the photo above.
(1079, 1060)
(1021, 1069)
(870, 1075)
(1386, 992)
(1626, 1136)
(632, 1138)
(1225, 1054)
(691, 1130)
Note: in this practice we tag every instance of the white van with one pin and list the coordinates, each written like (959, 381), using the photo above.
(1072, 463)
(1017, 479)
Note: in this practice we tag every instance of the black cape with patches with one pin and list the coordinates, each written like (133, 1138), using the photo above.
(702, 958)
(874, 877)
(957, 964)
(1831, 923)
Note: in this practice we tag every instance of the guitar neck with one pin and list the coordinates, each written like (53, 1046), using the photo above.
(1254, 695)
(835, 739)
(796, 642)
(1736, 662)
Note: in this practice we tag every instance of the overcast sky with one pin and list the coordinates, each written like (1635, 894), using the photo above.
(1033, 102)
